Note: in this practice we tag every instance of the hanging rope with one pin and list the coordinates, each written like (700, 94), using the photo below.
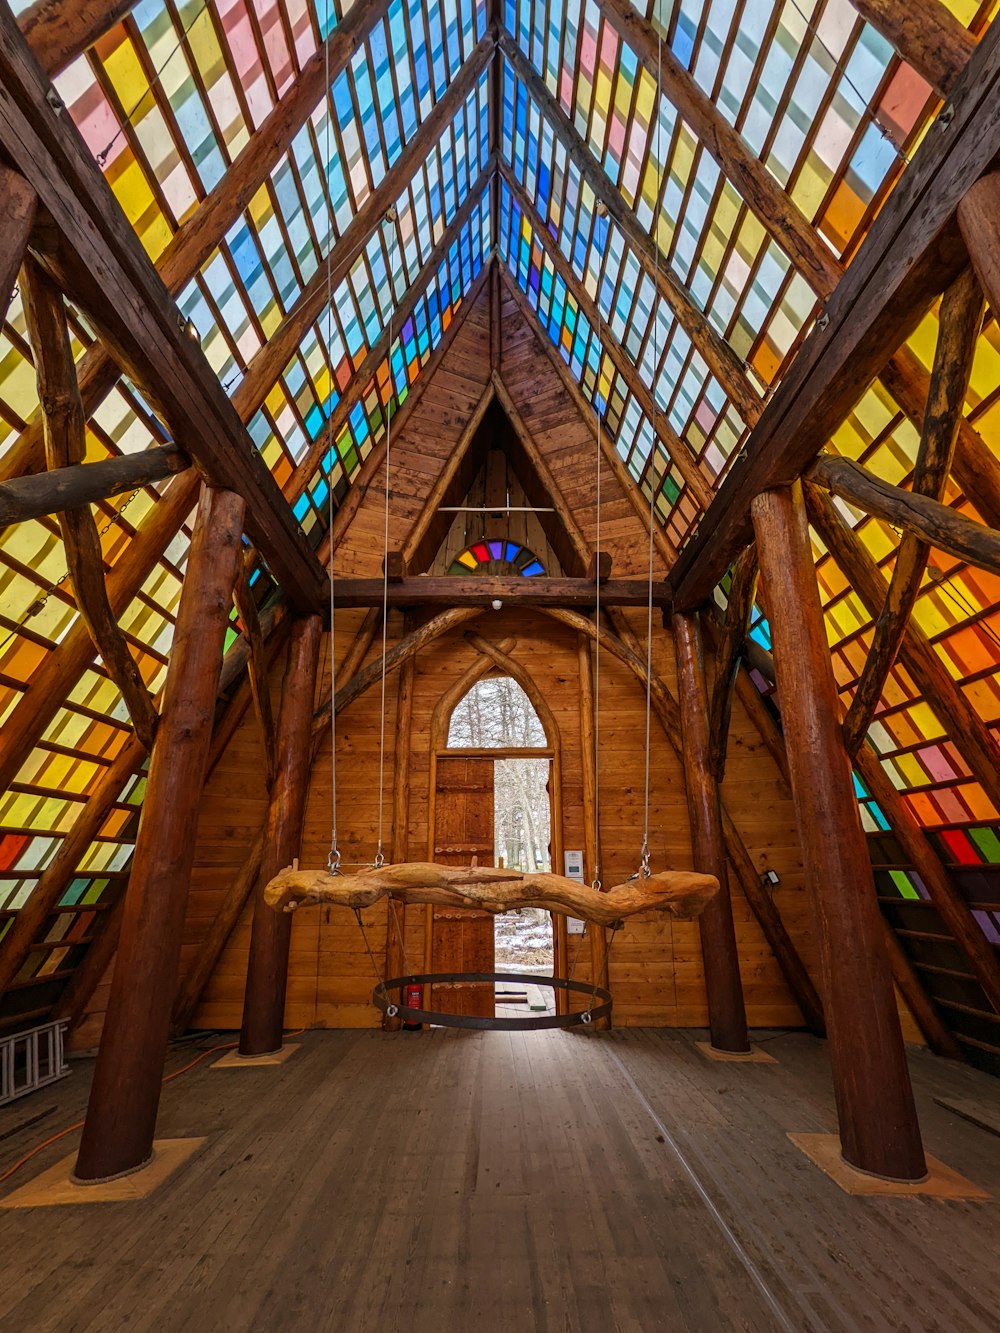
(644, 868)
(601, 212)
(390, 219)
(333, 856)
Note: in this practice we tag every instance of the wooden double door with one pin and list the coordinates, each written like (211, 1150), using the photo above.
(461, 938)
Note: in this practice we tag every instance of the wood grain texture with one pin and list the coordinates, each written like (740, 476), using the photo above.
(926, 35)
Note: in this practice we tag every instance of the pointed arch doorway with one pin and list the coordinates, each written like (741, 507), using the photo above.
(495, 793)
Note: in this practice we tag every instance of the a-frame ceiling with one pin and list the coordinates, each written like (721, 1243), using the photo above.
(674, 252)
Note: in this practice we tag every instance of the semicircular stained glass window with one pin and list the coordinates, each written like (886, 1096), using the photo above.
(497, 557)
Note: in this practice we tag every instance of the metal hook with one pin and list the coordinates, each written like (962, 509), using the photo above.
(333, 861)
(379, 861)
(644, 860)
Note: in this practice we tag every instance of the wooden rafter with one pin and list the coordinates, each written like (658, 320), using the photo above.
(728, 657)
(912, 252)
(66, 446)
(100, 262)
(20, 206)
(926, 35)
(685, 462)
(246, 608)
(197, 237)
(958, 332)
(60, 30)
(482, 589)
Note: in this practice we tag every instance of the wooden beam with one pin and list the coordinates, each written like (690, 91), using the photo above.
(720, 958)
(246, 609)
(979, 222)
(58, 31)
(496, 317)
(677, 450)
(482, 590)
(86, 483)
(925, 34)
(927, 519)
(612, 459)
(966, 729)
(430, 528)
(121, 1116)
(958, 332)
(102, 264)
(728, 655)
(878, 1124)
(20, 206)
(911, 253)
(395, 921)
(270, 935)
(203, 231)
(193, 984)
(597, 936)
(925, 1012)
(720, 358)
(65, 446)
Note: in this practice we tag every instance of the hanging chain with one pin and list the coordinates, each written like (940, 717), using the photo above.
(390, 218)
(644, 854)
(333, 857)
(368, 947)
(587, 1016)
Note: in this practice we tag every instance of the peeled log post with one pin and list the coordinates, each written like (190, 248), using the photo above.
(267, 967)
(720, 958)
(879, 1132)
(979, 223)
(121, 1116)
(958, 332)
(20, 206)
(930, 520)
(86, 483)
(684, 893)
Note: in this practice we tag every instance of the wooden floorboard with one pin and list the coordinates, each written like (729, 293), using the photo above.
(424, 1183)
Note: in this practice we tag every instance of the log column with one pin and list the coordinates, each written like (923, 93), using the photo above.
(267, 968)
(727, 1017)
(878, 1122)
(121, 1117)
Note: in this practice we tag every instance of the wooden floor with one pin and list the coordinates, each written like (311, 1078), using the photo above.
(441, 1181)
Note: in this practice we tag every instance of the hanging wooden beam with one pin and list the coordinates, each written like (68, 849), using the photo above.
(58, 31)
(121, 1116)
(20, 205)
(728, 656)
(925, 34)
(925, 518)
(246, 609)
(685, 462)
(958, 331)
(270, 935)
(86, 483)
(664, 547)
(966, 729)
(720, 358)
(878, 1124)
(193, 983)
(395, 923)
(430, 528)
(101, 263)
(482, 589)
(626, 648)
(720, 957)
(911, 253)
(197, 238)
(65, 446)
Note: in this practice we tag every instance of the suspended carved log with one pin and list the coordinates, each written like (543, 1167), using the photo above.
(246, 608)
(681, 892)
(85, 483)
(65, 444)
(961, 319)
(728, 657)
(926, 518)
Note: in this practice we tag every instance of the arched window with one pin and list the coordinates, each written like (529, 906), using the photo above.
(497, 557)
(496, 714)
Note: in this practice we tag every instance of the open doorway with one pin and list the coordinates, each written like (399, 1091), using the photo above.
(496, 722)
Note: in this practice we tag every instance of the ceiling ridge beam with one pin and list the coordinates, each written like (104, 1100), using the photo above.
(725, 365)
(587, 413)
(197, 237)
(684, 460)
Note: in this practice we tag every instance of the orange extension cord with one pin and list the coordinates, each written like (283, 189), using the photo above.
(225, 1046)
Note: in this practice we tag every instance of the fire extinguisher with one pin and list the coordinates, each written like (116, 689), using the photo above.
(413, 999)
